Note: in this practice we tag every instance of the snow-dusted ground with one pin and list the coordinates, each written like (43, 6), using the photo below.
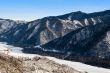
(80, 66)
(17, 52)
(11, 48)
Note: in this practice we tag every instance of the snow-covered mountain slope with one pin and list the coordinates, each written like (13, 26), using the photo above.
(84, 44)
(82, 68)
(46, 29)
(79, 39)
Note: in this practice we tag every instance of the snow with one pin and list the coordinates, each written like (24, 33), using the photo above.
(47, 25)
(80, 66)
(69, 24)
(86, 22)
(11, 48)
(70, 17)
(76, 65)
(94, 21)
(54, 25)
(38, 46)
(34, 31)
(70, 27)
(77, 22)
(3, 49)
(5, 26)
(16, 32)
(15, 51)
(29, 26)
(99, 20)
(66, 21)
(23, 55)
(49, 50)
(43, 37)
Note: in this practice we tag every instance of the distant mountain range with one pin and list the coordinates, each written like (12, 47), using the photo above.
(75, 36)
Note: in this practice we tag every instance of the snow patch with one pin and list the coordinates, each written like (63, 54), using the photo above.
(11, 48)
(16, 32)
(34, 31)
(94, 21)
(70, 17)
(66, 21)
(29, 26)
(86, 22)
(99, 20)
(47, 25)
(77, 22)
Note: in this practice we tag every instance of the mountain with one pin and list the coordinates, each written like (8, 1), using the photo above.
(89, 44)
(82, 39)
(74, 36)
(46, 29)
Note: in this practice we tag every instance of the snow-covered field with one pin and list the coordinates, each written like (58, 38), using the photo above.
(17, 52)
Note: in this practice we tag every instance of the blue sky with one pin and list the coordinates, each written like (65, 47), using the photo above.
(35, 9)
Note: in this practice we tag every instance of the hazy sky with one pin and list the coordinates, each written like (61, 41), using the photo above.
(34, 9)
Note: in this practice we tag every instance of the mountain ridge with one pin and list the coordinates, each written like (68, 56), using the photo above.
(46, 29)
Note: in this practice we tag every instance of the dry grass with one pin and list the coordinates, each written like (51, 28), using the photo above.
(10, 64)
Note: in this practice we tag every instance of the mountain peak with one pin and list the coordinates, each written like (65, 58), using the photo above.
(78, 12)
(73, 15)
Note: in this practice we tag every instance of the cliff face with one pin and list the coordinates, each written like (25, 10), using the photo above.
(46, 29)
